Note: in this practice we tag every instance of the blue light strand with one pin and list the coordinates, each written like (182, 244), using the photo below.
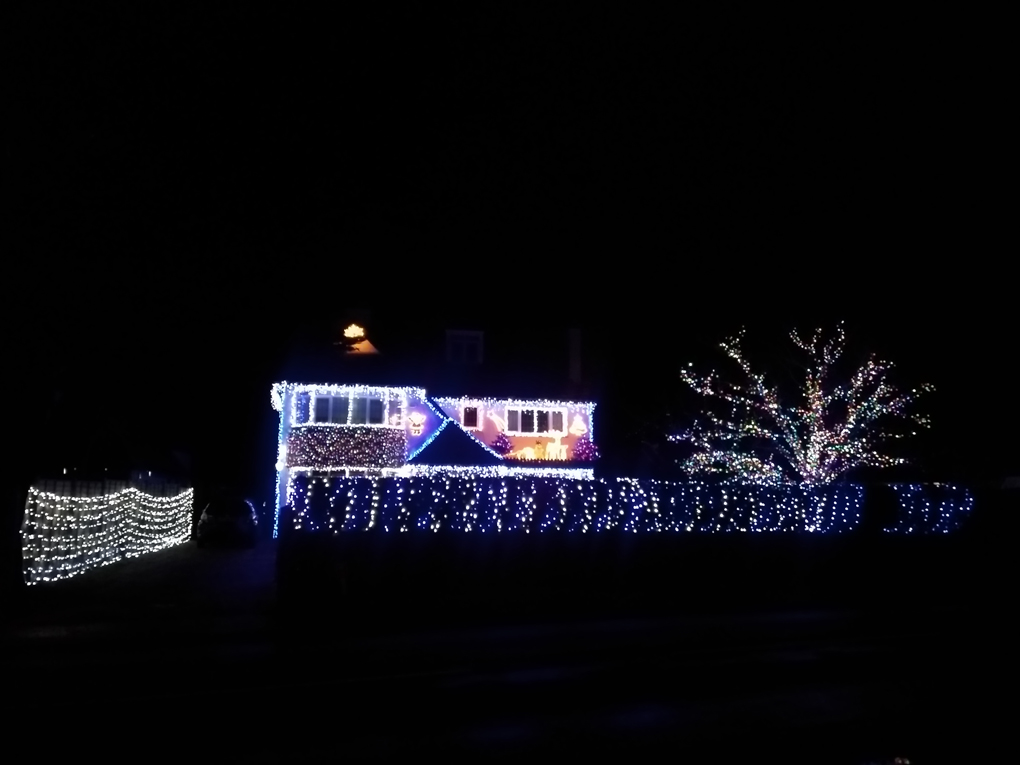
(477, 440)
(435, 410)
(424, 444)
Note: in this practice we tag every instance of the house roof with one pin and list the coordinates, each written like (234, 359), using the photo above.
(413, 353)
(333, 366)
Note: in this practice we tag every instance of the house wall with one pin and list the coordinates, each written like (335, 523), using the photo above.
(406, 420)
(349, 446)
(494, 418)
(304, 444)
(422, 423)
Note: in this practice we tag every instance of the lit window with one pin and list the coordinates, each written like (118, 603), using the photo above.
(527, 421)
(557, 422)
(541, 422)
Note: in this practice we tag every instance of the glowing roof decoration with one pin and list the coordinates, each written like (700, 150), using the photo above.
(354, 331)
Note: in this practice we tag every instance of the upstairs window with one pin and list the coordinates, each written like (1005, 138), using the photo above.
(471, 417)
(521, 421)
(527, 421)
(357, 409)
(463, 347)
(331, 409)
(367, 410)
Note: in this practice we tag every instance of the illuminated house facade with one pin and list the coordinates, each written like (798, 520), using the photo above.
(357, 424)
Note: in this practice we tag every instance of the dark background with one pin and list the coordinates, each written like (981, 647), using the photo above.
(189, 189)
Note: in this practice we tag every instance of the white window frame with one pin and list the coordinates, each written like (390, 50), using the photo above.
(479, 421)
(388, 397)
(536, 409)
(465, 339)
(333, 399)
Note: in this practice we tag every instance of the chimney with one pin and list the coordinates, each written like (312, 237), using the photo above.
(575, 356)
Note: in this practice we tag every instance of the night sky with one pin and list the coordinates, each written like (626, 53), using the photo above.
(189, 189)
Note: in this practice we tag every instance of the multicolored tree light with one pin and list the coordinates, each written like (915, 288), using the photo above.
(836, 428)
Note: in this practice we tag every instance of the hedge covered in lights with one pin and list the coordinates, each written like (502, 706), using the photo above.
(64, 536)
(527, 504)
(538, 504)
(353, 444)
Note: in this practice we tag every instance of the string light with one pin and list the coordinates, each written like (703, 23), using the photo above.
(585, 450)
(488, 500)
(350, 446)
(473, 501)
(935, 508)
(409, 423)
(65, 536)
(306, 445)
(495, 471)
(494, 415)
(424, 444)
(284, 395)
(833, 431)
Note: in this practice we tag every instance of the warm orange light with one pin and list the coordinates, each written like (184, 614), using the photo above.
(354, 331)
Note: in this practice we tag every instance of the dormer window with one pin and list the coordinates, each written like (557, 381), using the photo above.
(463, 347)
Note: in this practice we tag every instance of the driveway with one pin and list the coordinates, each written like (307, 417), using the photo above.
(180, 641)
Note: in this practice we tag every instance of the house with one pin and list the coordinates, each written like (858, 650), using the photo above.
(354, 414)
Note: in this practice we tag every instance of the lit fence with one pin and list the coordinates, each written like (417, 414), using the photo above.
(62, 536)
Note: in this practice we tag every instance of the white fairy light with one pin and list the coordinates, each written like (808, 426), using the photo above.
(65, 536)
(835, 429)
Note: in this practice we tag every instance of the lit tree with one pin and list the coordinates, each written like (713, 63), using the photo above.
(501, 444)
(585, 450)
(835, 428)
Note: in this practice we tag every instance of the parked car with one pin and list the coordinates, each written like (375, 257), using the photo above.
(228, 521)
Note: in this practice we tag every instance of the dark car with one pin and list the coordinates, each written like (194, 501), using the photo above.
(228, 522)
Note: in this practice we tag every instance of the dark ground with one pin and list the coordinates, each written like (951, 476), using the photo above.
(184, 649)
